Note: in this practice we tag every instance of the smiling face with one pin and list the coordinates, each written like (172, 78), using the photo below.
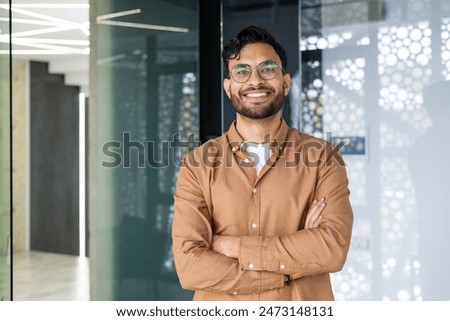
(257, 98)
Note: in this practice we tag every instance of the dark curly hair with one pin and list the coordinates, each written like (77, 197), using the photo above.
(251, 34)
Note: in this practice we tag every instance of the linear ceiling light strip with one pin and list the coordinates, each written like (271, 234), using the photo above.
(142, 26)
(118, 14)
(52, 5)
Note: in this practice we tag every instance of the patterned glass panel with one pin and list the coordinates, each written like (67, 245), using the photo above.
(373, 77)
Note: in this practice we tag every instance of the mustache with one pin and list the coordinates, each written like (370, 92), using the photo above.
(265, 88)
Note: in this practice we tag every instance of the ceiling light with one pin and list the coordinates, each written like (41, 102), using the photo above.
(55, 41)
(31, 22)
(106, 60)
(118, 14)
(44, 17)
(31, 52)
(61, 49)
(142, 26)
(42, 31)
(52, 5)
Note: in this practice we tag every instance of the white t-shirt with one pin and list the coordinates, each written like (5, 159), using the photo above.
(260, 154)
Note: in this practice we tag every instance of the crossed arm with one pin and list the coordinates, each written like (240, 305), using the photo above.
(229, 245)
(255, 264)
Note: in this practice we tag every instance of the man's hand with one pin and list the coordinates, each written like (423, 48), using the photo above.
(227, 245)
(314, 213)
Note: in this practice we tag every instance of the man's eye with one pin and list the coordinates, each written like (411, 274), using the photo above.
(242, 71)
(267, 69)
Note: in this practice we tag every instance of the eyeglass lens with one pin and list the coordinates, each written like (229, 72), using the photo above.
(267, 70)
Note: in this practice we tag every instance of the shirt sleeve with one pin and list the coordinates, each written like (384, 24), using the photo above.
(309, 251)
(198, 266)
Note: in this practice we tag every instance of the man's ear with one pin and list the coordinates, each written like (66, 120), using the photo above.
(287, 81)
(226, 86)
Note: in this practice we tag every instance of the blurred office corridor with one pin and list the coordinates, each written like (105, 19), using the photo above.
(44, 276)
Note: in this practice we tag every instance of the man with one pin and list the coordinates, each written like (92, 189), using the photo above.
(250, 220)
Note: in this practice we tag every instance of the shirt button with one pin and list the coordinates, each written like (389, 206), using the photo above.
(234, 149)
(254, 225)
(254, 190)
(251, 266)
(282, 266)
(235, 293)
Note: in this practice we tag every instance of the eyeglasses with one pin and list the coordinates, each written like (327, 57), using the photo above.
(267, 70)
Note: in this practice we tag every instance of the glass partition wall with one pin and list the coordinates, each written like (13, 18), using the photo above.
(376, 76)
(5, 155)
(143, 119)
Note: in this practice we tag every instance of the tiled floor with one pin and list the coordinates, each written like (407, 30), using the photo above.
(41, 276)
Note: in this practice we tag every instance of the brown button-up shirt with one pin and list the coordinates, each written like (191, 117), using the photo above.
(218, 192)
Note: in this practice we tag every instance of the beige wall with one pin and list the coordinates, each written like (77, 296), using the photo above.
(20, 153)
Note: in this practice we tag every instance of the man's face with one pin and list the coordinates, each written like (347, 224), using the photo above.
(257, 98)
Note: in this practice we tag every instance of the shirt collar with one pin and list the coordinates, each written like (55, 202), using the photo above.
(277, 141)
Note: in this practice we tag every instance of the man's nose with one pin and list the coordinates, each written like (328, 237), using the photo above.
(255, 78)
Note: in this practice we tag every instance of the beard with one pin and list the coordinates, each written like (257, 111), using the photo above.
(258, 110)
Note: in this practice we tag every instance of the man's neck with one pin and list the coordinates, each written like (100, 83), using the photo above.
(258, 130)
